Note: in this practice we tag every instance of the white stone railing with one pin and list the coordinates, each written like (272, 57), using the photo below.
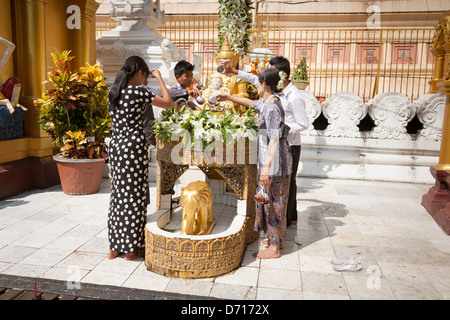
(387, 152)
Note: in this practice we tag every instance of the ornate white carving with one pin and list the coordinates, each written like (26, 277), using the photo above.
(137, 34)
(344, 111)
(137, 14)
(313, 110)
(118, 49)
(171, 53)
(198, 62)
(430, 111)
(391, 113)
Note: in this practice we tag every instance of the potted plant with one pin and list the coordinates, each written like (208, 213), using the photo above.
(300, 78)
(75, 114)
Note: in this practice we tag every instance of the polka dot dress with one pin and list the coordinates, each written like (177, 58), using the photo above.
(128, 158)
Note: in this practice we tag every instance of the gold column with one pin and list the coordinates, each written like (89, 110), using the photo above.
(437, 49)
(437, 200)
(31, 59)
(444, 154)
(83, 46)
(444, 86)
(439, 54)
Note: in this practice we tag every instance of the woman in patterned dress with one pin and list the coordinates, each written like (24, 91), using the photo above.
(274, 161)
(128, 156)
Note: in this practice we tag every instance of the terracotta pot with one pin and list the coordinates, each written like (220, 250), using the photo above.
(80, 176)
(300, 85)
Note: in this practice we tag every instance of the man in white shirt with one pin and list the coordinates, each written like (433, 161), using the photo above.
(295, 118)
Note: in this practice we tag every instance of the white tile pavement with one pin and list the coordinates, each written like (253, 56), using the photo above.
(405, 255)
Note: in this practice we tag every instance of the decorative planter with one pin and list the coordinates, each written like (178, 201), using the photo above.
(80, 176)
(300, 85)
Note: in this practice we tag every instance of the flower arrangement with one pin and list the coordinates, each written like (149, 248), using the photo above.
(75, 111)
(234, 21)
(255, 67)
(205, 126)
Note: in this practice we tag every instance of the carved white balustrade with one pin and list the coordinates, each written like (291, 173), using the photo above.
(385, 153)
(430, 111)
(313, 111)
(391, 113)
(344, 111)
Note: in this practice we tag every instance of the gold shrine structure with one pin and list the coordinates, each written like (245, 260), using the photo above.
(202, 256)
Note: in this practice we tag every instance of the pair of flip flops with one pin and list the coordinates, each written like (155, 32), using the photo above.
(346, 263)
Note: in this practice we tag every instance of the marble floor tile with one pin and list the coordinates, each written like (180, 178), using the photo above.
(321, 247)
(324, 296)
(72, 275)
(8, 237)
(46, 257)
(35, 239)
(15, 254)
(105, 278)
(279, 279)
(246, 276)
(278, 294)
(368, 286)
(118, 265)
(146, 282)
(233, 292)
(328, 283)
(26, 270)
(65, 242)
(198, 287)
(316, 264)
(439, 278)
(95, 244)
(83, 260)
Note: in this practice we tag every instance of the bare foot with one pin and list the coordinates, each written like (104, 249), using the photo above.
(272, 252)
(113, 254)
(133, 255)
(266, 243)
(294, 222)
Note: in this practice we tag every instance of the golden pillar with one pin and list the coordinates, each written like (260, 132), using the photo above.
(438, 51)
(31, 59)
(82, 46)
(437, 200)
(443, 63)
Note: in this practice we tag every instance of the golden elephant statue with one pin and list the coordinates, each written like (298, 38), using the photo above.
(196, 201)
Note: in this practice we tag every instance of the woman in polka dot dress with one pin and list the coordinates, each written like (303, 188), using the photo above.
(128, 156)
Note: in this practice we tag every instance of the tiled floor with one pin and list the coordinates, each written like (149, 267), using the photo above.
(404, 253)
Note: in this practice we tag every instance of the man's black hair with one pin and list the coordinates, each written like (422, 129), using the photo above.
(282, 64)
(182, 67)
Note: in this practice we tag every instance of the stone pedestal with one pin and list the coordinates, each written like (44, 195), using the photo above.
(437, 200)
(202, 256)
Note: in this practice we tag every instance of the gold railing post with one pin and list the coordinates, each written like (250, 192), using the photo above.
(442, 43)
(439, 54)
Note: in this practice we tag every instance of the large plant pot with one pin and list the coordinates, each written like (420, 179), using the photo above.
(80, 176)
(300, 85)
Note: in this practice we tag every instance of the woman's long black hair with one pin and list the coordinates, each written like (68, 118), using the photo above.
(131, 66)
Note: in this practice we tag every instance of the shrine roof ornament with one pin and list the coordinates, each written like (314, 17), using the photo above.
(227, 53)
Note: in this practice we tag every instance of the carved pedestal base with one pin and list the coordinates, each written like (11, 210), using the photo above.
(437, 200)
(206, 255)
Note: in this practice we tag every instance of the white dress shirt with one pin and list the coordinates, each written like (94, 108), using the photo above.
(294, 108)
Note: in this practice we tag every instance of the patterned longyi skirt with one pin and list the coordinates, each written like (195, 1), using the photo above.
(271, 217)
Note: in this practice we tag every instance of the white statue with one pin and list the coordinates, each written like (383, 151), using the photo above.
(16, 91)
(216, 87)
